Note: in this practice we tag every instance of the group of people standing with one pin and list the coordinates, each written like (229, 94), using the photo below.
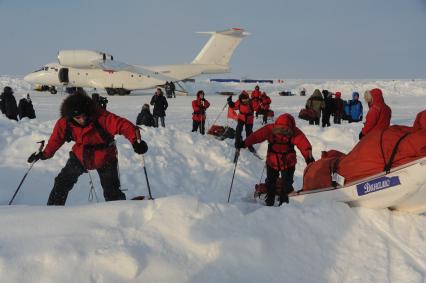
(11, 110)
(325, 106)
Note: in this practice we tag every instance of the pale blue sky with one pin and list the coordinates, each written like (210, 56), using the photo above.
(327, 39)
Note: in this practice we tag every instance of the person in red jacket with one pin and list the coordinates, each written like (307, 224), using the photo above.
(92, 129)
(265, 102)
(379, 114)
(282, 136)
(338, 108)
(199, 106)
(255, 97)
(245, 108)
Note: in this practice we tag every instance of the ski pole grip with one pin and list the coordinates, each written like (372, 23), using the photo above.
(40, 148)
(138, 135)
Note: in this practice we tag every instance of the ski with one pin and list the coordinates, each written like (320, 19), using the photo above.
(138, 198)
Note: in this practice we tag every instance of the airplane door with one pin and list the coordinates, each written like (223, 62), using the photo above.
(63, 76)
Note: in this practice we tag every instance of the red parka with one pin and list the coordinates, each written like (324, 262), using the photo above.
(265, 102)
(89, 135)
(245, 111)
(281, 154)
(199, 106)
(255, 97)
(379, 114)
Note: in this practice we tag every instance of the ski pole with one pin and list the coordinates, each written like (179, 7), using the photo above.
(28, 171)
(236, 156)
(138, 137)
(223, 108)
(92, 191)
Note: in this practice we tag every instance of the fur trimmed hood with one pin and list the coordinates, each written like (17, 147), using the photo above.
(77, 104)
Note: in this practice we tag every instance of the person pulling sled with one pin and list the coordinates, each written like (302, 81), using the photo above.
(92, 129)
(282, 136)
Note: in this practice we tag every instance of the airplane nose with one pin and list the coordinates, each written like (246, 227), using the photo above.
(29, 78)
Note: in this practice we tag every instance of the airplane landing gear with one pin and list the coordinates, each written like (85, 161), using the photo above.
(119, 91)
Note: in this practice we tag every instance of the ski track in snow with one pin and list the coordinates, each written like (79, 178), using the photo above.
(189, 233)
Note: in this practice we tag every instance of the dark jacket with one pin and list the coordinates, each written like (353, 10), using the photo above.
(10, 109)
(145, 118)
(160, 105)
(26, 109)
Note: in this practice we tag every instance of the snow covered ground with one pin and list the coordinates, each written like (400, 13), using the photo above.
(189, 233)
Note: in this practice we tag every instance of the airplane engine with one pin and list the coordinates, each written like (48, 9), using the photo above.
(82, 58)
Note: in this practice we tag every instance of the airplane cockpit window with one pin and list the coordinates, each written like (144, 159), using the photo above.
(38, 70)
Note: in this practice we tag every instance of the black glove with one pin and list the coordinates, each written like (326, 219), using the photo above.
(239, 144)
(35, 157)
(229, 99)
(361, 135)
(140, 147)
(309, 160)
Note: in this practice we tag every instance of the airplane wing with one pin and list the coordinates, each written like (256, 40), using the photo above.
(112, 65)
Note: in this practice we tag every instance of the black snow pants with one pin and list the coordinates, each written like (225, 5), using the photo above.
(68, 176)
(326, 119)
(239, 131)
(271, 178)
(200, 125)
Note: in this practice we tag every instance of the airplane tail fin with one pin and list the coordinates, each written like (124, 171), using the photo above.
(220, 47)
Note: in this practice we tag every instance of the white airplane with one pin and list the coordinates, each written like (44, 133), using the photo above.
(93, 69)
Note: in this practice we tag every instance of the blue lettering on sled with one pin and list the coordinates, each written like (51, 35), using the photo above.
(377, 185)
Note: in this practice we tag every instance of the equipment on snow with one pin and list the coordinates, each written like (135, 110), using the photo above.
(40, 149)
(307, 114)
(221, 132)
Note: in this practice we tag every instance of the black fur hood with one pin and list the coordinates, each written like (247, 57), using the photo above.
(77, 104)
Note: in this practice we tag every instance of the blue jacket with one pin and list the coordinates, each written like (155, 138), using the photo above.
(353, 109)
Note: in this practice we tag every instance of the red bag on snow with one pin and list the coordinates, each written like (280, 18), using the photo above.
(307, 114)
(216, 130)
(260, 189)
(317, 175)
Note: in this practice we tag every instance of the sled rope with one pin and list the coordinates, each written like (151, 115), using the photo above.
(388, 165)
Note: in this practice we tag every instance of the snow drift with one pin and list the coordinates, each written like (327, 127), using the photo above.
(189, 233)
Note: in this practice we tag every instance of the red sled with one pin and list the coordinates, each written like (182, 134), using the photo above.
(260, 189)
(307, 114)
(221, 132)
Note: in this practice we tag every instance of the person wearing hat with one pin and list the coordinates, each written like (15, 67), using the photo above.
(265, 103)
(26, 108)
(338, 108)
(328, 108)
(379, 114)
(145, 117)
(245, 108)
(255, 97)
(354, 109)
(8, 104)
(92, 129)
(160, 105)
(282, 136)
(199, 107)
(316, 103)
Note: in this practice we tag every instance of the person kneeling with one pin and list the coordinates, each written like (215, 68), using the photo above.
(282, 136)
